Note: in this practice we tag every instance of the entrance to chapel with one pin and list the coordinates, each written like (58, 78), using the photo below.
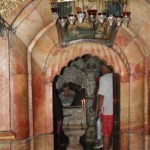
(81, 75)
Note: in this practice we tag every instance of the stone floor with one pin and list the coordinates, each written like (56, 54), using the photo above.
(87, 146)
(90, 146)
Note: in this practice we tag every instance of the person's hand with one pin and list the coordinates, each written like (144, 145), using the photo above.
(99, 114)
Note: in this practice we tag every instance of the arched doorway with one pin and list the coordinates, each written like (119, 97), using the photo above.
(128, 84)
(111, 57)
(88, 68)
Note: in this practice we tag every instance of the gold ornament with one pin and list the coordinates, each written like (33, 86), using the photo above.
(7, 6)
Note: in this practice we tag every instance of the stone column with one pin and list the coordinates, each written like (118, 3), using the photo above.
(90, 86)
(136, 111)
(19, 88)
(6, 135)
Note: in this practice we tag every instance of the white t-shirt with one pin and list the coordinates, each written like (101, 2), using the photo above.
(67, 101)
(106, 89)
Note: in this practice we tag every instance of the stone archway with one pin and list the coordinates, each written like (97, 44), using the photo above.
(57, 62)
(134, 89)
(111, 56)
(128, 63)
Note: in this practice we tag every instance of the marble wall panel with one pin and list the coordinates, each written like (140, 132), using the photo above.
(27, 10)
(44, 142)
(44, 47)
(42, 105)
(139, 20)
(18, 56)
(21, 145)
(44, 10)
(123, 38)
(4, 103)
(32, 143)
(4, 146)
(124, 141)
(30, 27)
(4, 85)
(53, 34)
(146, 142)
(4, 57)
(19, 106)
(149, 103)
(39, 104)
(124, 105)
(136, 141)
(139, 68)
(39, 17)
(49, 107)
(146, 101)
(134, 55)
(137, 101)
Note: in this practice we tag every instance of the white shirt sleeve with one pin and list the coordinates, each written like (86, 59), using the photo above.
(101, 90)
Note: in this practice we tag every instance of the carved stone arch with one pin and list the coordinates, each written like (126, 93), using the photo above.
(56, 63)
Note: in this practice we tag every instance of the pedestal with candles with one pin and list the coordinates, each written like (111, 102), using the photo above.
(74, 125)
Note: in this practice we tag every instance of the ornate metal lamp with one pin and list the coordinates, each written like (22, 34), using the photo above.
(72, 19)
(99, 25)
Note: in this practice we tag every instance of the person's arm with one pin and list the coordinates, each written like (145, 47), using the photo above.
(100, 99)
(99, 104)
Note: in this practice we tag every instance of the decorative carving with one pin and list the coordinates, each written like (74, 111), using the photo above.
(7, 6)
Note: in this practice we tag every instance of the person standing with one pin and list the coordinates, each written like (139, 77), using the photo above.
(97, 114)
(105, 98)
(57, 118)
(67, 96)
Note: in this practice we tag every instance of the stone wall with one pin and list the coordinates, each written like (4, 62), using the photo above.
(129, 58)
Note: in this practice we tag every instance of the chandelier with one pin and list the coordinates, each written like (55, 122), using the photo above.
(89, 20)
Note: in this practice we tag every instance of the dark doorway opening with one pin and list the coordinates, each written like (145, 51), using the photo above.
(62, 141)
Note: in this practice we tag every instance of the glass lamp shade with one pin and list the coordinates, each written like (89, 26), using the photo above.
(81, 16)
(101, 17)
(126, 17)
(62, 21)
(72, 19)
(119, 20)
(110, 19)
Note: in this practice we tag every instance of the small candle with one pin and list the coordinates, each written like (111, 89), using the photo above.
(82, 102)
